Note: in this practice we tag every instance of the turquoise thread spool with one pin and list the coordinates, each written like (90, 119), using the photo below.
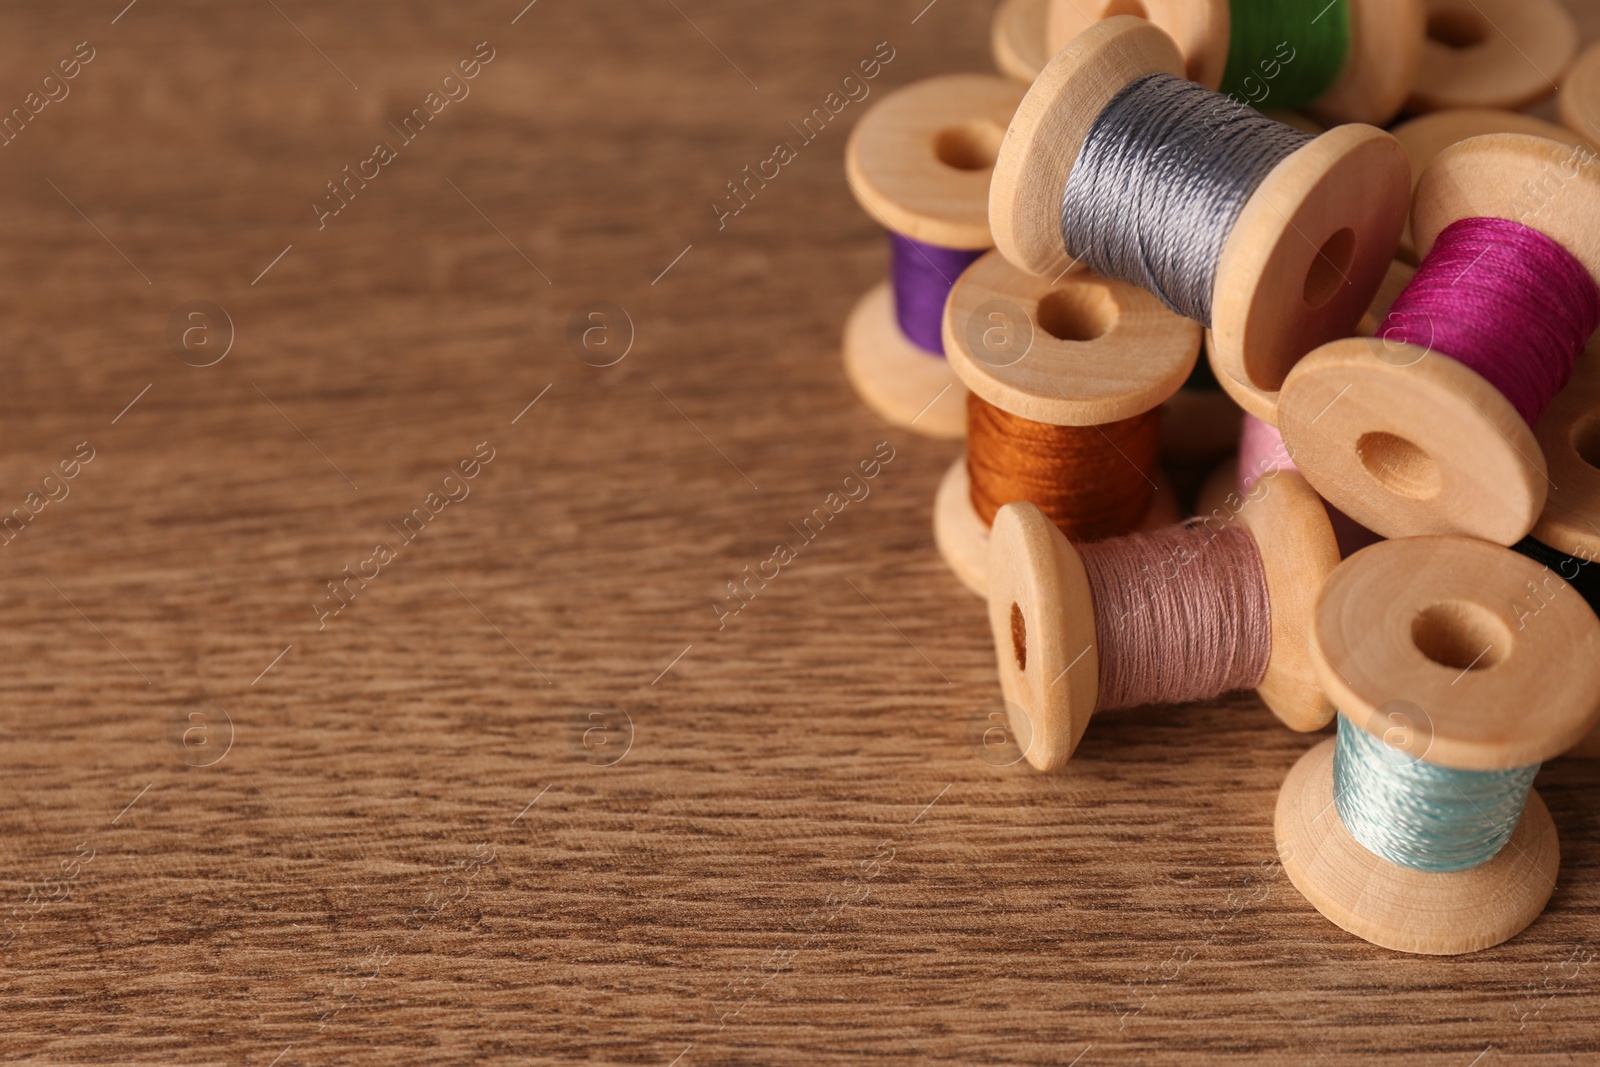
(1417, 828)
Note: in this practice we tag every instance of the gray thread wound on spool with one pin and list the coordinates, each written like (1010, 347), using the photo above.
(1161, 179)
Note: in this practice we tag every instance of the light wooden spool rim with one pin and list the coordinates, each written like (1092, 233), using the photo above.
(1385, 48)
(1579, 99)
(1515, 53)
(1078, 350)
(1419, 641)
(1263, 403)
(1398, 908)
(1447, 631)
(1407, 443)
(1425, 136)
(1386, 39)
(1199, 28)
(1305, 257)
(905, 385)
(1135, 354)
(919, 160)
(962, 537)
(1018, 38)
(1482, 177)
(1569, 436)
(1041, 614)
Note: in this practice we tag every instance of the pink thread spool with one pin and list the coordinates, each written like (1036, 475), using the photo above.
(1262, 453)
(1425, 429)
(1084, 629)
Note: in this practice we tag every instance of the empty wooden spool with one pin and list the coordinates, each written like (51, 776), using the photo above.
(1018, 38)
(1492, 53)
(1569, 436)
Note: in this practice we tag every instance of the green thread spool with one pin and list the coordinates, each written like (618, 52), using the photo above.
(1261, 30)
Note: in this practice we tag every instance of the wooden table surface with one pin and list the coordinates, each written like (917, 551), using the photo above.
(527, 796)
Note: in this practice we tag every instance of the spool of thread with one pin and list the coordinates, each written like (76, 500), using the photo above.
(1079, 476)
(919, 163)
(1018, 38)
(1425, 136)
(1346, 61)
(1183, 614)
(1566, 539)
(1427, 428)
(1492, 53)
(1231, 219)
(921, 275)
(1416, 828)
(1065, 376)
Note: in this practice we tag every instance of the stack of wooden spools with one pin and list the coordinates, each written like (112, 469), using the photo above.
(1175, 236)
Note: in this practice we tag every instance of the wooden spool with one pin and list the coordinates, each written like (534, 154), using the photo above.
(1492, 53)
(1201, 426)
(1262, 402)
(1078, 351)
(1303, 261)
(1579, 99)
(1385, 48)
(1220, 493)
(1569, 436)
(1017, 38)
(1425, 136)
(1417, 642)
(919, 163)
(1408, 443)
(1042, 616)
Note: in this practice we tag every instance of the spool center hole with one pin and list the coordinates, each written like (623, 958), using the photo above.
(969, 145)
(1330, 267)
(1586, 439)
(1457, 28)
(1019, 637)
(1077, 312)
(1399, 465)
(1461, 635)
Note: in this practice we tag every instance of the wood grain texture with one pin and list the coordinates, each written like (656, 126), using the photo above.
(414, 850)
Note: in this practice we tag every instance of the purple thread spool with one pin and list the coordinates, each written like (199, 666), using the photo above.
(919, 162)
(922, 275)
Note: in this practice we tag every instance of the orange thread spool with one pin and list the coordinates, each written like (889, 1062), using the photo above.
(1091, 481)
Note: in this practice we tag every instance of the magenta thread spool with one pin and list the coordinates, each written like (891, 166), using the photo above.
(919, 163)
(1427, 428)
